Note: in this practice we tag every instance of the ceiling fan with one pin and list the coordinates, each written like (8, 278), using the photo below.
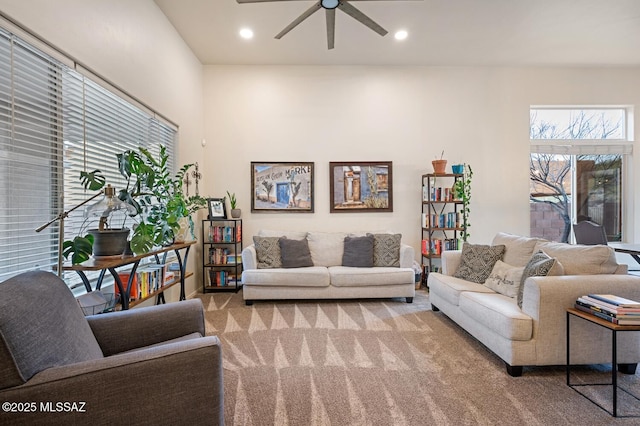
(330, 7)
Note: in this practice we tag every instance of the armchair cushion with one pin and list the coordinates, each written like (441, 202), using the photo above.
(41, 326)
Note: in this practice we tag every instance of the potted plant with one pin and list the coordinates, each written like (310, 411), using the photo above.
(439, 165)
(462, 192)
(156, 198)
(235, 211)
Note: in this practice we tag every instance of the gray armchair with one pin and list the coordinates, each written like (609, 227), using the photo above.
(148, 365)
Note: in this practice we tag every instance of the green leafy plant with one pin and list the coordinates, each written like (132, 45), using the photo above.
(232, 200)
(155, 194)
(462, 192)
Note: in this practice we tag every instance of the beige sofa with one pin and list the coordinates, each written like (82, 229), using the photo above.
(535, 334)
(327, 278)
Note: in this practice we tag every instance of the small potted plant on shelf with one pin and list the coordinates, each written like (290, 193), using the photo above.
(439, 165)
(154, 198)
(462, 192)
(235, 211)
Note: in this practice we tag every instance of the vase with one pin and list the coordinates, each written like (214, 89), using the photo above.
(236, 213)
(109, 242)
(185, 233)
(439, 166)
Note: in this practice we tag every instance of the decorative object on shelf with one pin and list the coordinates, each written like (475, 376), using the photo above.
(356, 187)
(282, 187)
(462, 192)
(439, 165)
(156, 198)
(217, 208)
(457, 169)
(330, 7)
(235, 211)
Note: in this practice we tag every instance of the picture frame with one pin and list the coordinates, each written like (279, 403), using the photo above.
(361, 186)
(285, 187)
(217, 208)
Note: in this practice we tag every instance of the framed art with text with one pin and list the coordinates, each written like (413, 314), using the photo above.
(282, 187)
(361, 187)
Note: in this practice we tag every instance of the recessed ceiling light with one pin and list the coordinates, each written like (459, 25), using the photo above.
(246, 33)
(401, 35)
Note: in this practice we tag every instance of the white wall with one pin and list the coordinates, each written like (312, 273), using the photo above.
(407, 115)
(131, 44)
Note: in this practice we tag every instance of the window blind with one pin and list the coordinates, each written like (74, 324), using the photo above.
(54, 123)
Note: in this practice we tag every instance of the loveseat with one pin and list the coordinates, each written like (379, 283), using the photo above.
(534, 333)
(327, 265)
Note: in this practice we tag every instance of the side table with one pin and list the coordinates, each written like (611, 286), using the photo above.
(614, 328)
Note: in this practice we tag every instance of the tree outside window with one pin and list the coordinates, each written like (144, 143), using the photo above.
(582, 184)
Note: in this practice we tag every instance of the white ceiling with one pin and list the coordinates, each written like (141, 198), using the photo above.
(441, 32)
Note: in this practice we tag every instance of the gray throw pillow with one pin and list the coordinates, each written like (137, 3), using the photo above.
(358, 251)
(295, 253)
(540, 265)
(386, 249)
(268, 252)
(477, 261)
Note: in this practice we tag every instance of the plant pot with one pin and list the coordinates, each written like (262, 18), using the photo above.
(110, 242)
(236, 213)
(185, 233)
(457, 169)
(439, 166)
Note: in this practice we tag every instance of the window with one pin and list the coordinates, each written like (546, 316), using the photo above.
(576, 169)
(54, 123)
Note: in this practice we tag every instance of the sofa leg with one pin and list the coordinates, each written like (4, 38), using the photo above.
(514, 370)
(434, 308)
(627, 368)
(409, 299)
(248, 302)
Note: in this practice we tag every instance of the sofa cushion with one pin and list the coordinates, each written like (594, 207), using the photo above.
(295, 253)
(314, 276)
(477, 261)
(41, 326)
(345, 276)
(386, 249)
(294, 235)
(268, 252)
(326, 248)
(358, 252)
(582, 260)
(449, 288)
(518, 250)
(505, 279)
(498, 313)
(540, 265)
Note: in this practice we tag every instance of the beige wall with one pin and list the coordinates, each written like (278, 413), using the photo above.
(404, 114)
(407, 115)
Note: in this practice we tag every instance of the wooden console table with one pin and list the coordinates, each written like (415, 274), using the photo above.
(110, 264)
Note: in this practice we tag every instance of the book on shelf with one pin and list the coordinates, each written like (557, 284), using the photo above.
(616, 300)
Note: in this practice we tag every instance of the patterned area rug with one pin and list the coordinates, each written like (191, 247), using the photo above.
(382, 362)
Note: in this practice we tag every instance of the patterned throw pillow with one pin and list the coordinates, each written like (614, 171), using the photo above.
(540, 265)
(268, 252)
(477, 261)
(505, 279)
(386, 249)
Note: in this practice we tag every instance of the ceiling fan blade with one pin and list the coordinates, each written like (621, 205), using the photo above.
(359, 16)
(331, 27)
(313, 9)
(263, 1)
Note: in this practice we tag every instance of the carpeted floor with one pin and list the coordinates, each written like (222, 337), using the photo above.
(384, 362)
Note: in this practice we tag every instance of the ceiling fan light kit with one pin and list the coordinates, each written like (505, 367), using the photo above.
(330, 7)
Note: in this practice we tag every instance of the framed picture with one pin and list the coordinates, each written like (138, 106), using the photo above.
(282, 187)
(217, 208)
(361, 187)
